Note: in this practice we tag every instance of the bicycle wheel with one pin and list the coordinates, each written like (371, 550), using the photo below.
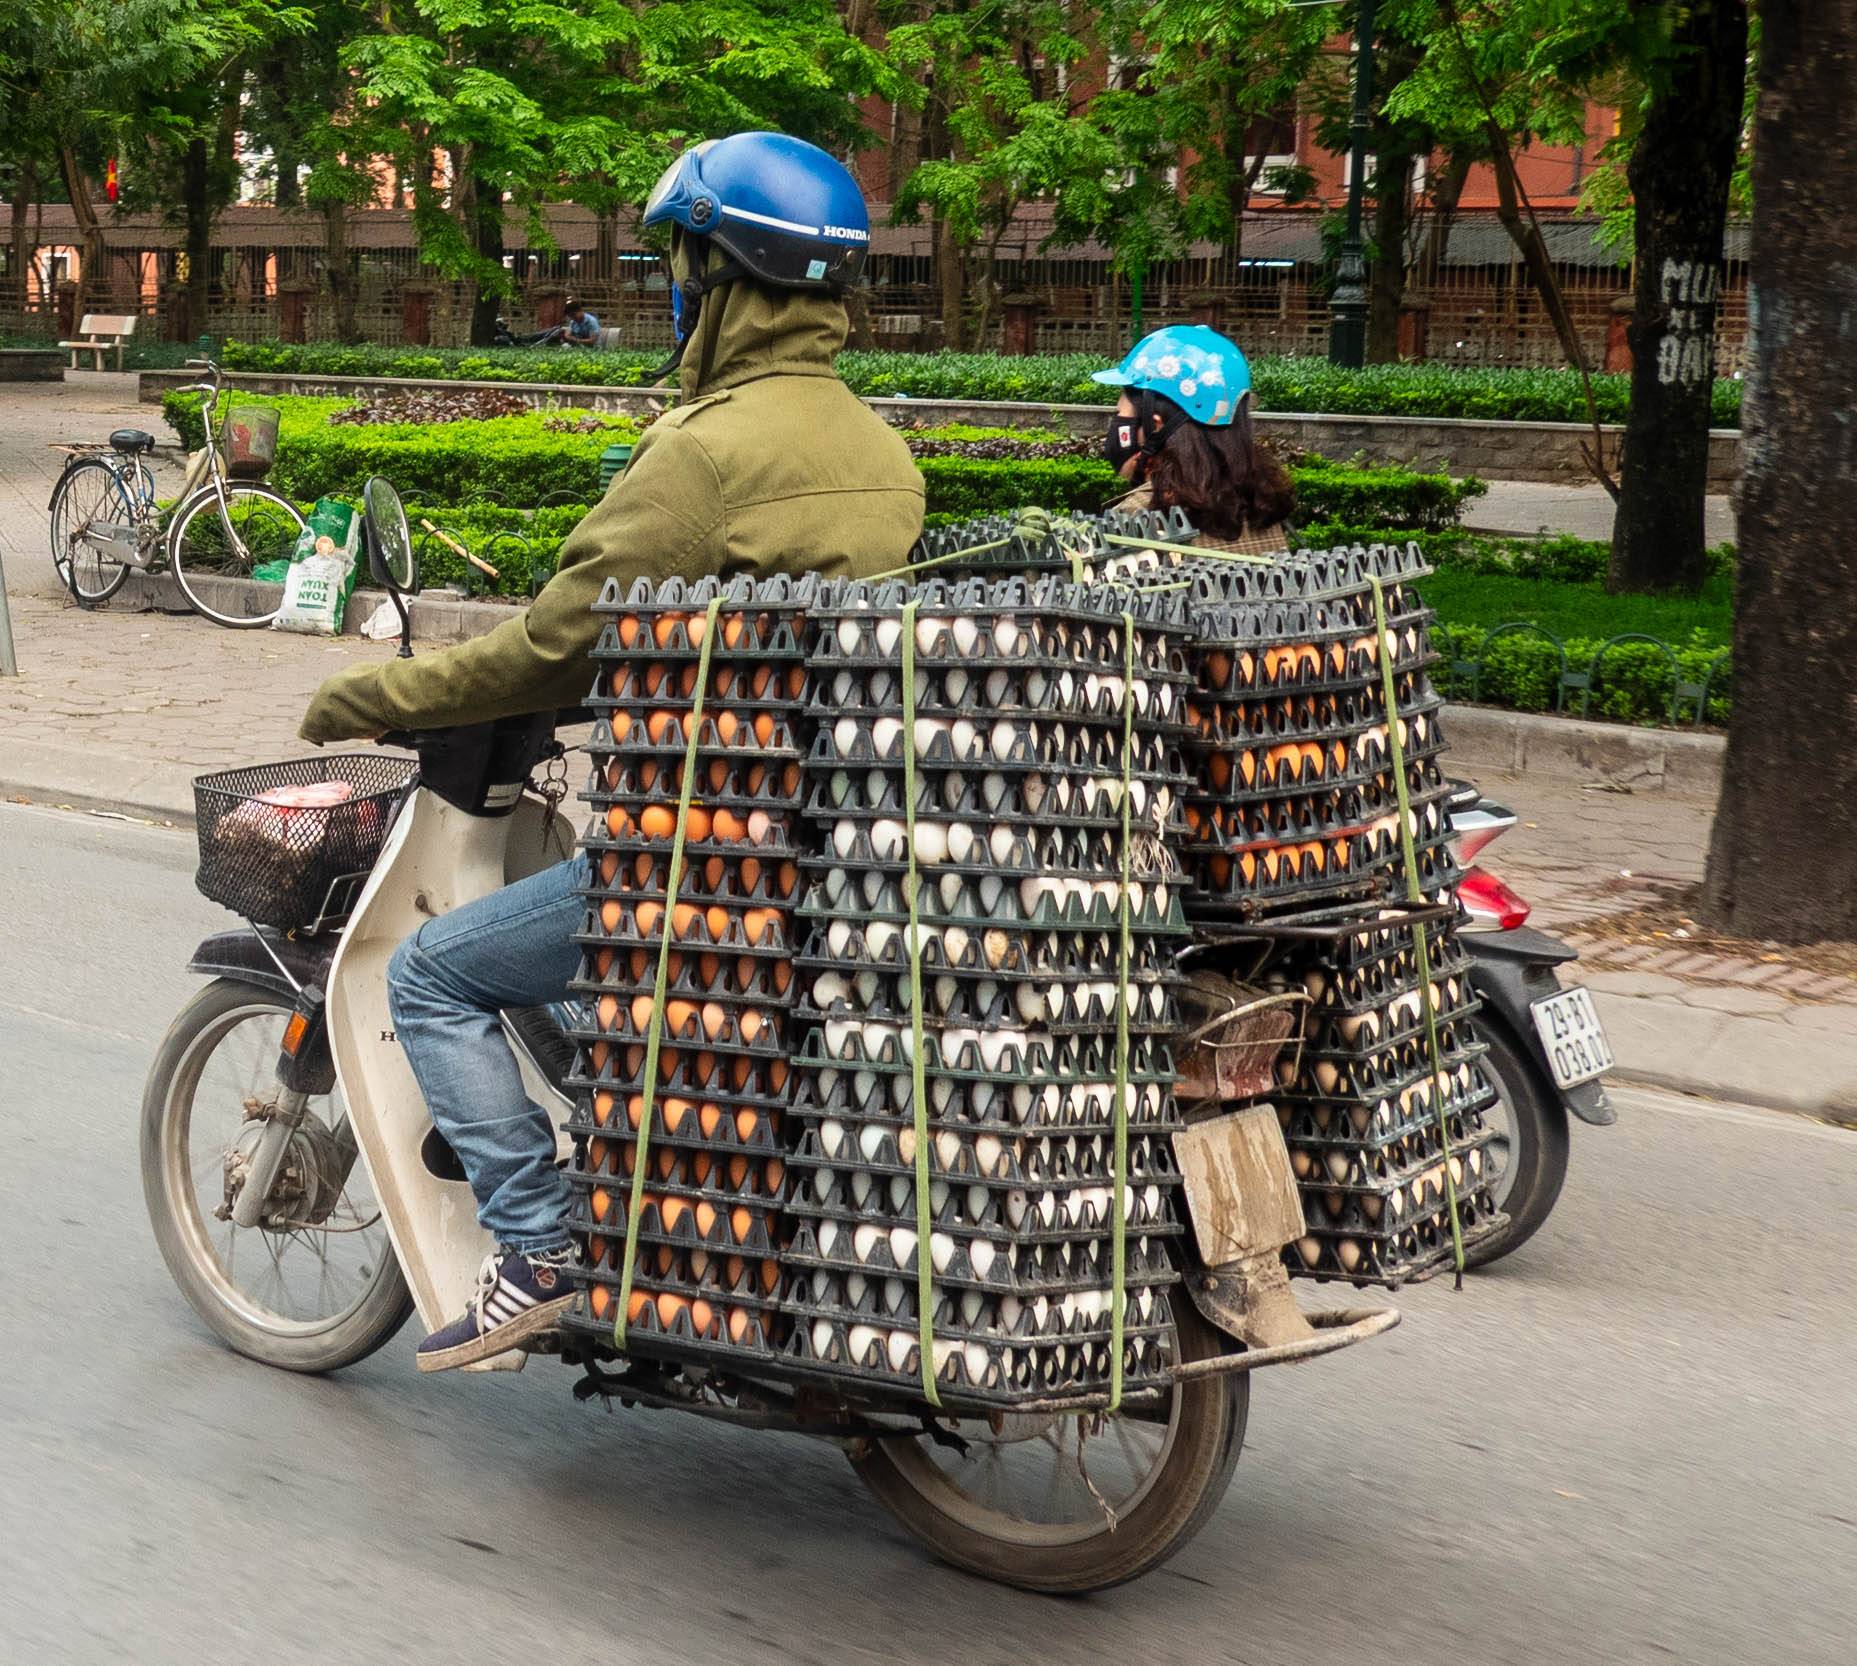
(90, 492)
(258, 525)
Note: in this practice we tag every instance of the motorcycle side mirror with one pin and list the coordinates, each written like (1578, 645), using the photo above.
(391, 557)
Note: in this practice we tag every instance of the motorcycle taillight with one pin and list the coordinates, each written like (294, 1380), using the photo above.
(1490, 902)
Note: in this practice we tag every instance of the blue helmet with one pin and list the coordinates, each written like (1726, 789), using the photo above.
(1194, 366)
(785, 211)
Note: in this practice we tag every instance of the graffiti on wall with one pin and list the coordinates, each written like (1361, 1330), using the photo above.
(1689, 290)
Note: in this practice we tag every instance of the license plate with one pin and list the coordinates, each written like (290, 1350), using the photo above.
(1573, 1038)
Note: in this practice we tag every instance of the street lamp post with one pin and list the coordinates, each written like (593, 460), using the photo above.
(1347, 304)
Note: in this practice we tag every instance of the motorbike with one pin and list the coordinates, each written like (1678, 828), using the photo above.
(1547, 1047)
(307, 1207)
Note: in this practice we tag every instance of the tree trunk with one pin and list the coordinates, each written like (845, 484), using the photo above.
(89, 230)
(25, 194)
(1386, 284)
(197, 235)
(486, 221)
(337, 270)
(1783, 864)
(863, 338)
(1679, 172)
(948, 280)
(1526, 236)
(1445, 196)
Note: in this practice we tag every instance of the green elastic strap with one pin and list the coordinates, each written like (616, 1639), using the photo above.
(1118, 1239)
(654, 1034)
(937, 560)
(1427, 998)
(918, 1068)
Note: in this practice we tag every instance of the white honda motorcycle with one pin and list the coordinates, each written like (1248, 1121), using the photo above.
(306, 1206)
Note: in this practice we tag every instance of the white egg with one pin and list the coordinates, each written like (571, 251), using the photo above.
(964, 738)
(981, 1253)
(931, 842)
(822, 1338)
(941, 1251)
(966, 634)
(886, 837)
(902, 1245)
(885, 735)
(960, 841)
(850, 634)
(898, 1349)
(1005, 737)
(1006, 633)
(929, 632)
(862, 1341)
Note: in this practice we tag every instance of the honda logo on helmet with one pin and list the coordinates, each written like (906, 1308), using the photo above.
(849, 233)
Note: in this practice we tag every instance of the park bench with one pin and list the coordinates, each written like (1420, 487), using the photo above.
(102, 331)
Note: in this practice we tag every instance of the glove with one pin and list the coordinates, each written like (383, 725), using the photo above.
(346, 707)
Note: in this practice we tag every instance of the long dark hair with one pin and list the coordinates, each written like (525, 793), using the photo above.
(1221, 477)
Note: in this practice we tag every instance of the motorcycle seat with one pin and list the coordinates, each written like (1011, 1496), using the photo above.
(131, 440)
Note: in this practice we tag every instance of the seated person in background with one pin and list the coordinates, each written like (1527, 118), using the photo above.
(582, 328)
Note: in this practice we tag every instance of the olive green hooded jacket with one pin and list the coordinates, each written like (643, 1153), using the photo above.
(770, 464)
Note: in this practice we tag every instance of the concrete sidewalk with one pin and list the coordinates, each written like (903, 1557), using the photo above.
(118, 711)
(1527, 507)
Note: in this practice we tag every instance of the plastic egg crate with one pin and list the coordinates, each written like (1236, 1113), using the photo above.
(636, 688)
(759, 620)
(623, 776)
(683, 1300)
(1050, 1346)
(990, 1238)
(1404, 1246)
(1059, 1103)
(1403, 1107)
(1068, 796)
(1082, 999)
(840, 949)
(990, 901)
(739, 880)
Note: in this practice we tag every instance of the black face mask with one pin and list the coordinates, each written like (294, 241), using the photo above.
(1121, 443)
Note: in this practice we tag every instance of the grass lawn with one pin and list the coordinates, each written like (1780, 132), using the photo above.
(1579, 610)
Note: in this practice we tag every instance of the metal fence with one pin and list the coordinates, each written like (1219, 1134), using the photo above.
(1467, 298)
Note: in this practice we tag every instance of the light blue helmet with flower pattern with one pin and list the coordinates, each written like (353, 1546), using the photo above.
(1194, 366)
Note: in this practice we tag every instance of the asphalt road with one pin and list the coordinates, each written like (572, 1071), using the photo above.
(1633, 1442)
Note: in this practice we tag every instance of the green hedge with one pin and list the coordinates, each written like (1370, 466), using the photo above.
(521, 459)
(1281, 384)
(1633, 684)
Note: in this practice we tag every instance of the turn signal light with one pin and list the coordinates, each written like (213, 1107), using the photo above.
(1489, 900)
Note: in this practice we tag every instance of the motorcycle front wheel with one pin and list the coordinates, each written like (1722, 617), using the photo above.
(315, 1284)
(1064, 1504)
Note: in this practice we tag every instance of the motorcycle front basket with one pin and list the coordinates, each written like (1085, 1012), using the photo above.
(298, 867)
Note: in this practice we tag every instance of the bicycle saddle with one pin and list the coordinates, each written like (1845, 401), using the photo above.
(131, 440)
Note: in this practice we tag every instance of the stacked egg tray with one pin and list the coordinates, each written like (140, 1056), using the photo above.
(707, 1274)
(1361, 1109)
(1295, 800)
(1033, 542)
(1019, 726)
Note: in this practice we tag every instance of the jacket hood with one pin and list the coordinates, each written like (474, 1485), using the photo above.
(746, 329)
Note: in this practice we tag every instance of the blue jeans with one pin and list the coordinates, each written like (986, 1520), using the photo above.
(446, 985)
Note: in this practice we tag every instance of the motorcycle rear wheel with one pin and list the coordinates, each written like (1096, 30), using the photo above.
(218, 1057)
(1532, 1144)
(960, 1511)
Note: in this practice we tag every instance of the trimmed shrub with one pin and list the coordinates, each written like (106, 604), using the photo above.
(1280, 384)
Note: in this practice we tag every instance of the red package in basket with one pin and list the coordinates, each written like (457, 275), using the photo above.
(288, 816)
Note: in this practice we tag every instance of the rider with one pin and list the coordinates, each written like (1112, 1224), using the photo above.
(769, 464)
(1182, 433)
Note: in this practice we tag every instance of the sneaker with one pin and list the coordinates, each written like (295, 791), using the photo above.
(518, 1297)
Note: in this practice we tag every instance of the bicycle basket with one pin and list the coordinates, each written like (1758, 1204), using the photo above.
(289, 844)
(251, 441)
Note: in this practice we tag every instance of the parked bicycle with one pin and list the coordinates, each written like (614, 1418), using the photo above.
(105, 519)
